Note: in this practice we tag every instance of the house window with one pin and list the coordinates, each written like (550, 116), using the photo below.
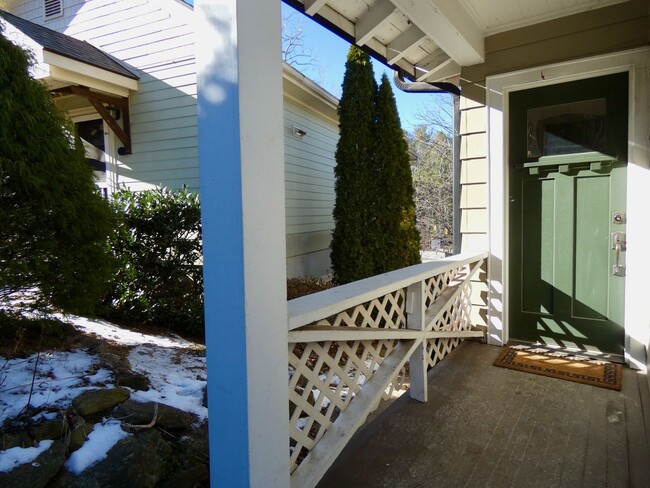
(567, 128)
(53, 9)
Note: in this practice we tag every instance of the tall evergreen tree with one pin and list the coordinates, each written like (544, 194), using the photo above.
(53, 223)
(351, 246)
(396, 238)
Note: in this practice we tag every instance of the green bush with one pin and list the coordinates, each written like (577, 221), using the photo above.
(158, 247)
(53, 223)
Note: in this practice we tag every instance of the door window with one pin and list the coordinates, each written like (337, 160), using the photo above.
(567, 128)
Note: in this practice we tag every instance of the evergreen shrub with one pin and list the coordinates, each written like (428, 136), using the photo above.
(158, 247)
(53, 222)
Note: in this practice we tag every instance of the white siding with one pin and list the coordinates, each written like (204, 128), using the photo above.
(309, 189)
(155, 39)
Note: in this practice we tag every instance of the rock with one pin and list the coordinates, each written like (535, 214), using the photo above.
(138, 461)
(39, 472)
(93, 401)
(79, 434)
(9, 440)
(49, 429)
(168, 418)
(93, 344)
(205, 397)
(189, 478)
(134, 381)
(120, 364)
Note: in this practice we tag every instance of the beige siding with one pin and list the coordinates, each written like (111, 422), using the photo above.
(473, 177)
(609, 29)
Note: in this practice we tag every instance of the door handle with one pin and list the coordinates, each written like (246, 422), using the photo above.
(619, 244)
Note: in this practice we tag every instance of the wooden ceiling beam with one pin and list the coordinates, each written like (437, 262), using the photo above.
(368, 25)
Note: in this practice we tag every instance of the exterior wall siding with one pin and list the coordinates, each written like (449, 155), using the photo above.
(309, 189)
(155, 39)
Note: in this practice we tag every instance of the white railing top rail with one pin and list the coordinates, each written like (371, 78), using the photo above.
(308, 309)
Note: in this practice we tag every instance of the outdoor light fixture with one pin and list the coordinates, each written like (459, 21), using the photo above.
(114, 112)
(298, 132)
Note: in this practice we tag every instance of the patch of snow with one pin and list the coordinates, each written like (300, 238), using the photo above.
(14, 457)
(177, 378)
(302, 423)
(60, 376)
(115, 333)
(100, 441)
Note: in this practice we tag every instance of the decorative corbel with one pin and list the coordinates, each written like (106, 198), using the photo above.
(98, 100)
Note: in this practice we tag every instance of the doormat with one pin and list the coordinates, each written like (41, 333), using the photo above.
(563, 365)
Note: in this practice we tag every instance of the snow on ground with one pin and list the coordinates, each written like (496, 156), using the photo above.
(179, 383)
(115, 333)
(176, 369)
(12, 458)
(58, 377)
(100, 441)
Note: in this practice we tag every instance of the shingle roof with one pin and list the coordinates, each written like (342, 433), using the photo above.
(67, 46)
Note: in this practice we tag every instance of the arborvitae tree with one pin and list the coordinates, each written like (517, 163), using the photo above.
(351, 245)
(396, 238)
(53, 223)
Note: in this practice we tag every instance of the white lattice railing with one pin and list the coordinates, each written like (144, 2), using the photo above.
(348, 349)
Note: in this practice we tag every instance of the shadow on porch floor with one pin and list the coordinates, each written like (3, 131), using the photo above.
(491, 427)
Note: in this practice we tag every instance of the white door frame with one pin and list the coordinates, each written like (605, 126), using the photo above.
(637, 63)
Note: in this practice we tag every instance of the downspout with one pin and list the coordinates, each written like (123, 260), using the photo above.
(424, 87)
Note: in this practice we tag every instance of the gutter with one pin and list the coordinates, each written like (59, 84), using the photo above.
(424, 87)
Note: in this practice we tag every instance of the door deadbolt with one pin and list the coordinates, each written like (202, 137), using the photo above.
(618, 218)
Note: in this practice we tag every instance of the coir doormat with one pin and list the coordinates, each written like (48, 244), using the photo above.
(561, 365)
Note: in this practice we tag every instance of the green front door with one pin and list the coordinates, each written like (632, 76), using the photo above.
(567, 174)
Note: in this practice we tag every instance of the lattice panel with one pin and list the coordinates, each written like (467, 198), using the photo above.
(323, 378)
(456, 315)
(386, 312)
(436, 285)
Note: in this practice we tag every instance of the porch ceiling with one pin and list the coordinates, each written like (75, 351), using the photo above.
(430, 40)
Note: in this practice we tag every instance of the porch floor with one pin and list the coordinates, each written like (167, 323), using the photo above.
(485, 426)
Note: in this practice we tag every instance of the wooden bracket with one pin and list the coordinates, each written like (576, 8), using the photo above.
(98, 100)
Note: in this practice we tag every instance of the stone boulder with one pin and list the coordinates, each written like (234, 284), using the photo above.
(49, 429)
(39, 472)
(138, 461)
(134, 381)
(94, 401)
(79, 434)
(114, 362)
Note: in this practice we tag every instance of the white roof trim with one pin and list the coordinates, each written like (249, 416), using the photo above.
(450, 26)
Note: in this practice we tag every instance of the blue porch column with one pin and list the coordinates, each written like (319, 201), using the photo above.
(242, 197)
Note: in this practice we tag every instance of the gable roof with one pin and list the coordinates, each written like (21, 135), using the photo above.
(67, 46)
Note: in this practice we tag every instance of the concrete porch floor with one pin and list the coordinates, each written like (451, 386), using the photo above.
(485, 426)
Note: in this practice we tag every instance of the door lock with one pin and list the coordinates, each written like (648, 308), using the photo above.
(618, 218)
(619, 245)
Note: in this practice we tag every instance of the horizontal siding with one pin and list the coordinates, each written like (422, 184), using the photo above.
(309, 179)
(473, 176)
(155, 39)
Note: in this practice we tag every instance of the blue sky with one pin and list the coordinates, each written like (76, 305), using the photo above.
(330, 52)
